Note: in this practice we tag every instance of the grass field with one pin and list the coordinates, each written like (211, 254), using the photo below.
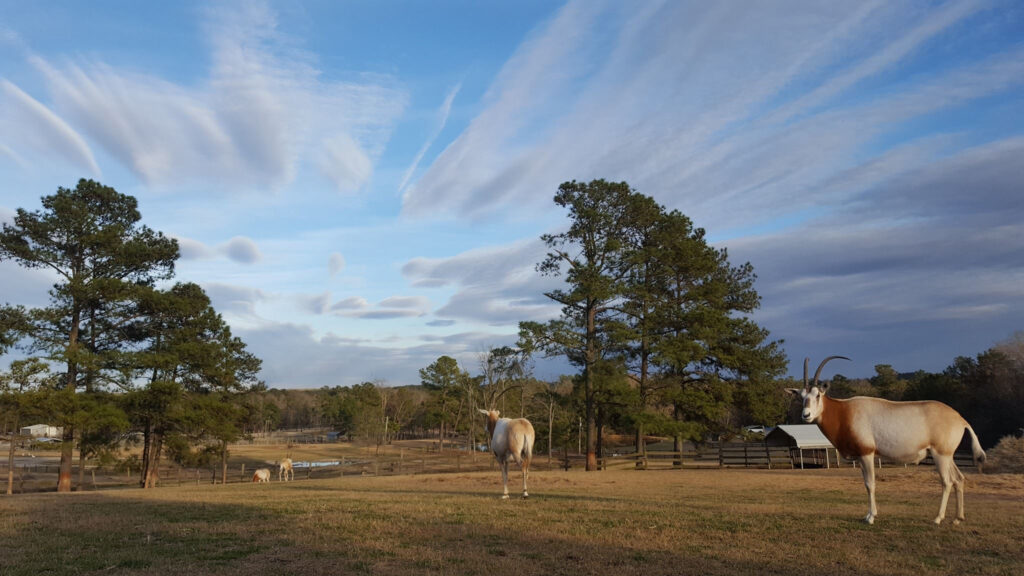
(616, 522)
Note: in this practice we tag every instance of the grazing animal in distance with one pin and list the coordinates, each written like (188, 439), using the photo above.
(510, 440)
(261, 475)
(284, 469)
(861, 428)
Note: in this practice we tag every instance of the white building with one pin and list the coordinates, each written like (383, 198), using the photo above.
(42, 431)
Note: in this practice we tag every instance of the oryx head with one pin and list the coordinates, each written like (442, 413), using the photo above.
(492, 418)
(811, 394)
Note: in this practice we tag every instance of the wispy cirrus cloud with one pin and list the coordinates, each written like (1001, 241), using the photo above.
(262, 114)
(446, 109)
(27, 124)
(496, 286)
(733, 113)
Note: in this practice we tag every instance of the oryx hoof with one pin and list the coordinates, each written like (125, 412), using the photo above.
(525, 495)
(504, 496)
(869, 519)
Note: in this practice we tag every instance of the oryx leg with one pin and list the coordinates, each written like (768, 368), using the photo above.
(959, 486)
(504, 478)
(867, 468)
(947, 474)
(525, 465)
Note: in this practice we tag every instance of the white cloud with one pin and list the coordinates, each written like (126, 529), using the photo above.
(335, 263)
(316, 304)
(237, 301)
(446, 108)
(345, 163)
(386, 309)
(262, 109)
(25, 123)
(242, 249)
(495, 286)
(239, 249)
(417, 302)
(296, 357)
(351, 303)
(735, 114)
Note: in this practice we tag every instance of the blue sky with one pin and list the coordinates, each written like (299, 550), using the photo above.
(361, 186)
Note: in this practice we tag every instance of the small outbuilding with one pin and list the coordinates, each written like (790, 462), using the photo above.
(805, 442)
(42, 431)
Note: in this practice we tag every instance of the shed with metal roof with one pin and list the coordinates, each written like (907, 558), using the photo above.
(804, 440)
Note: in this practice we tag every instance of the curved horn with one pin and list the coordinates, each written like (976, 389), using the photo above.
(822, 365)
(806, 360)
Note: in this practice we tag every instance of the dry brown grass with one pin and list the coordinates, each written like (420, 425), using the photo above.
(623, 522)
(1007, 456)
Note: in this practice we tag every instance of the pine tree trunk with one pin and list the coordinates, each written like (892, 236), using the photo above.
(10, 456)
(551, 428)
(224, 463)
(147, 439)
(152, 464)
(66, 460)
(81, 470)
(591, 360)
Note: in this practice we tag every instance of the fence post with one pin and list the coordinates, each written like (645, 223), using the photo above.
(242, 479)
(401, 459)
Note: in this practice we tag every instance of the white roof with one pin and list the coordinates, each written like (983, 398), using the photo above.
(806, 435)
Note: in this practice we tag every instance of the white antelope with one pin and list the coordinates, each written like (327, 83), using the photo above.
(510, 440)
(861, 428)
(261, 475)
(284, 469)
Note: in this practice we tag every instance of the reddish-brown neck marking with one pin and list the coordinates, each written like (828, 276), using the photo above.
(492, 421)
(835, 423)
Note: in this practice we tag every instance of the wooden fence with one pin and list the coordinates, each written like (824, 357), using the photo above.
(429, 460)
(713, 455)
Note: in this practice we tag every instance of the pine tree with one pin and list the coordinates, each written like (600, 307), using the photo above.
(104, 260)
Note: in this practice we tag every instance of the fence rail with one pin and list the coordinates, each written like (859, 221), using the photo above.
(428, 460)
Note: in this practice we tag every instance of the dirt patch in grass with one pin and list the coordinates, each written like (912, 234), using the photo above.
(628, 522)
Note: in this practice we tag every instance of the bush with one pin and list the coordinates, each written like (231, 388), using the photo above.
(1007, 456)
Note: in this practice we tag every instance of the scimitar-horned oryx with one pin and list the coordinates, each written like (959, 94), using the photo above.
(861, 428)
(510, 440)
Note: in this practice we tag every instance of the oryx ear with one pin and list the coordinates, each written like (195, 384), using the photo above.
(824, 387)
(793, 391)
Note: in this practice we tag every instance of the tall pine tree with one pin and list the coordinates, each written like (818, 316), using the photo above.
(91, 239)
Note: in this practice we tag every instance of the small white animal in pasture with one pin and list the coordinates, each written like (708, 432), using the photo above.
(510, 440)
(284, 469)
(861, 428)
(261, 475)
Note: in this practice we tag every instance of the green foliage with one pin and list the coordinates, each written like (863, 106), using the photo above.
(162, 362)
(647, 292)
(888, 382)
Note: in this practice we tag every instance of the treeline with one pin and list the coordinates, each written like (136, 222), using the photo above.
(113, 356)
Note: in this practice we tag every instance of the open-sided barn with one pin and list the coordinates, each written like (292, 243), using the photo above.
(806, 444)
